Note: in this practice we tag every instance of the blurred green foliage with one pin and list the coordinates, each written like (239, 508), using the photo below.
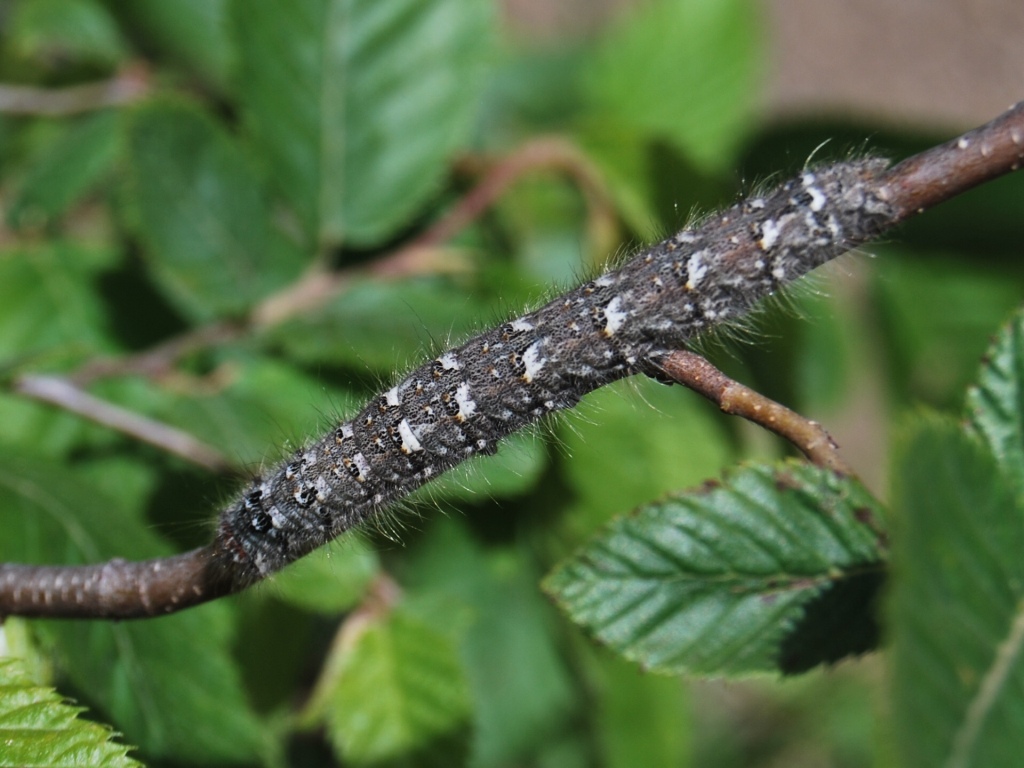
(276, 140)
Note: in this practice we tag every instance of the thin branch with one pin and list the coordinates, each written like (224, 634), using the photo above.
(160, 359)
(130, 84)
(65, 395)
(935, 175)
(693, 371)
(419, 255)
(308, 294)
(540, 154)
(315, 289)
(117, 589)
(120, 589)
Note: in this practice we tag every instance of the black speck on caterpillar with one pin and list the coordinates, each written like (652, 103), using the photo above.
(464, 401)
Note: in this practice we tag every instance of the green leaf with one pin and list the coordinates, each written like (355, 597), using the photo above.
(193, 32)
(200, 211)
(79, 31)
(521, 689)
(40, 429)
(631, 441)
(360, 104)
(718, 581)
(254, 409)
(937, 315)
(170, 684)
(67, 171)
(400, 693)
(624, 157)
(49, 516)
(17, 640)
(517, 468)
(822, 364)
(956, 613)
(383, 325)
(37, 727)
(130, 479)
(642, 719)
(995, 404)
(684, 71)
(531, 89)
(49, 306)
(51, 315)
(330, 580)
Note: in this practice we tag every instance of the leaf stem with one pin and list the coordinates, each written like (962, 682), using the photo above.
(693, 371)
(64, 394)
(128, 85)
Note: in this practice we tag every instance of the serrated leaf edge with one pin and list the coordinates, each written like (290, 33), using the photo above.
(100, 734)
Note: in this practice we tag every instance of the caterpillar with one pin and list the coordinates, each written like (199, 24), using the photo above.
(462, 403)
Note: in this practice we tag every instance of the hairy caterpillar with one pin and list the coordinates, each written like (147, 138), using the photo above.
(619, 324)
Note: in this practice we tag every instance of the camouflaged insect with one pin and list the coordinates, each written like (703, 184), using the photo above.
(464, 402)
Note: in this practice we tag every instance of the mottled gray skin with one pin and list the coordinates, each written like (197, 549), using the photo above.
(462, 403)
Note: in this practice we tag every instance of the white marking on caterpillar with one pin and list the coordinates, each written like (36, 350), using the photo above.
(449, 362)
(362, 465)
(833, 227)
(769, 234)
(818, 199)
(467, 406)
(409, 442)
(615, 315)
(521, 325)
(695, 269)
(604, 281)
(277, 518)
(322, 487)
(532, 361)
(391, 397)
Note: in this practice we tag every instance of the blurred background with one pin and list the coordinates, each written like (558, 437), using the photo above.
(240, 219)
(951, 61)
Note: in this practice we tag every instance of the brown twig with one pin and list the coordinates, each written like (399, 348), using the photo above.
(120, 589)
(315, 289)
(158, 360)
(117, 589)
(935, 175)
(693, 371)
(419, 256)
(550, 153)
(130, 84)
(306, 295)
(65, 395)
